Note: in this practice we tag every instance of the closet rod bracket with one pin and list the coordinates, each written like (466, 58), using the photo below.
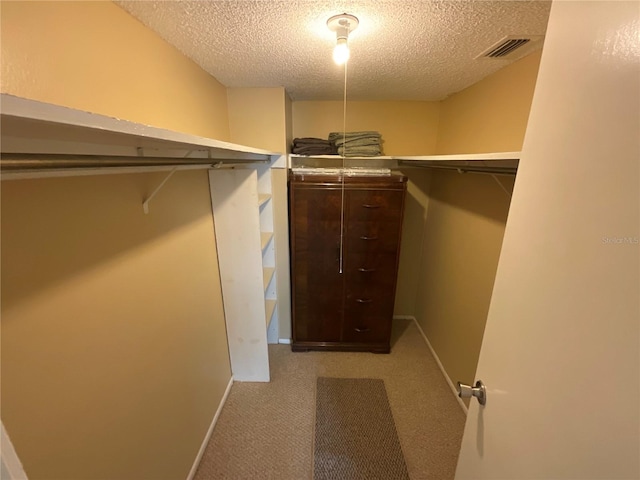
(145, 203)
(220, 164)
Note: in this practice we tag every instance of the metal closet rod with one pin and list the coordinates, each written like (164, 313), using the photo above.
(38, 161)
(464, 169)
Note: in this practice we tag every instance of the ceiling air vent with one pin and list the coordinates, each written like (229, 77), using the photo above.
(508, 45)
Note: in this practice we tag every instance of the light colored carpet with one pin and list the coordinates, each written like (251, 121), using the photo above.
(355, 435)
(265, 430)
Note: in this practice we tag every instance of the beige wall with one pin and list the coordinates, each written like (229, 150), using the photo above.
(467, 214)
(114, 355)
(413, 231)
(94, 56)
(407, 128)
(288, 109)
(463, 235)
(257, 117)
(490, 116)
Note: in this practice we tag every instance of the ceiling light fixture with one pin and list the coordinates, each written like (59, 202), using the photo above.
(342, 24)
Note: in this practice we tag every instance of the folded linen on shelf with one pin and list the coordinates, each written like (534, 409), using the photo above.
(313, 146)
(356, 144)
(363, 133)
(360, 151)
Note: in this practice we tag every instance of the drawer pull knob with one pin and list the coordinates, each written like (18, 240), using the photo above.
(369, 205)
(362, 330)
(365, 237)
(366, 270)
(364, 300)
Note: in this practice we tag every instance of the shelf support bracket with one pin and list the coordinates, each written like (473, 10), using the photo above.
(502, 186)
(145, 204)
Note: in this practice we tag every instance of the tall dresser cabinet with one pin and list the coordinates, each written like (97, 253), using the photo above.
(342, 298)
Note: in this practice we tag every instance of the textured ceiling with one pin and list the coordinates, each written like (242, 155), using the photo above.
(402, 50)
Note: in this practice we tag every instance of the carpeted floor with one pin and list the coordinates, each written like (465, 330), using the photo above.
(265, 430)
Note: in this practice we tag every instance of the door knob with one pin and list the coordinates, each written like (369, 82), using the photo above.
(479, 391)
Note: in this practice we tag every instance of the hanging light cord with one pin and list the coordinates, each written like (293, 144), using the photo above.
(344, 148)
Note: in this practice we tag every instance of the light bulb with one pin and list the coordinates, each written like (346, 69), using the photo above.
(341, 52)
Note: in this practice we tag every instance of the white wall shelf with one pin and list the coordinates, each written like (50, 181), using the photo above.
(267, 276)
(265, 239)
(492, 163)
(469, 157)
(263, 198)
(270, 307)
(35, 134)
(333, 157)
(498, 162)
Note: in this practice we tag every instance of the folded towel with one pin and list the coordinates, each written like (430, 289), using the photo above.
(310, 141)
(333, 136)
(359, 142)
(314, 150)
(313, 146)
(361, 151)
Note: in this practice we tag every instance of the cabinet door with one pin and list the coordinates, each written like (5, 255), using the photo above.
(317, 283)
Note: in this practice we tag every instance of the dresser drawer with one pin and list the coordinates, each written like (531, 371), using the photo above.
(376, 300)
(369, 327)
(373, 237)
(371, 270)
(375, 205)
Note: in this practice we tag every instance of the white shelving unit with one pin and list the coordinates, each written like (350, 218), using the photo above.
(247, 267)
(247, 261)
(268, 252)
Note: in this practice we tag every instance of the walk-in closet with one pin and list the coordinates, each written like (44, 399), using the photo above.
(316, 240)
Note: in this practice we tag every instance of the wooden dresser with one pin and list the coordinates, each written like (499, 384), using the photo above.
(352, 309)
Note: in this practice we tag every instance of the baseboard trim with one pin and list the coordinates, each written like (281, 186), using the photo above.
(10, 463)
(207, 437)
(284, 341)
(436, 358)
